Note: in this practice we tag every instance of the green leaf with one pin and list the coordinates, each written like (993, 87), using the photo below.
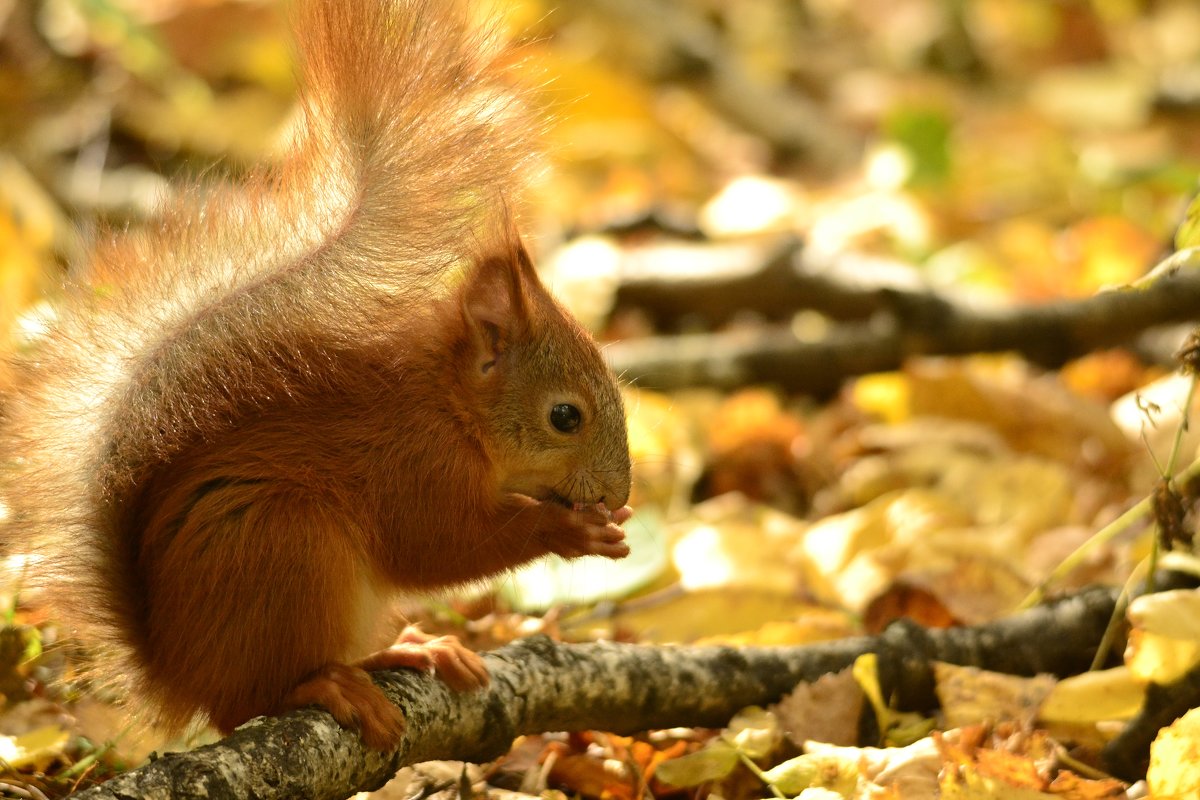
(1188, 234)
(924, 133)
(712, 763)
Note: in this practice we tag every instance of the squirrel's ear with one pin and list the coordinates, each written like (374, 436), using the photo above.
(496, 304)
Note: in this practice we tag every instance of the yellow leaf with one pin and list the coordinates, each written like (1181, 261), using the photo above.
(970, 785)
(1160, 659)
(1035, 416)
(836, 770)
(1175, 760)
(710, 613)
(810, 624)
(34, 749)
(968, 695)
(1094, 697)
(1188, 234)
(733, 542)
(884, 394)
(849, 559)
(1175, 614)
(1165, 641)
(900, 728)
(754, 731)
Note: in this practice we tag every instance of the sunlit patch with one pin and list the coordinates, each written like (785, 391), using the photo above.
(751, 204)
(35, 322)
(888, 166)
(585, 275)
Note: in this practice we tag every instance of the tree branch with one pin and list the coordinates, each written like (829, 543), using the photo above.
(538, 685)
(907, 322)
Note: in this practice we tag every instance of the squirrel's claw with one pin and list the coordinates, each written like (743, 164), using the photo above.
(348, 693)
(457, 665)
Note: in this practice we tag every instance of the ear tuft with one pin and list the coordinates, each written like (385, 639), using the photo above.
(496, 303)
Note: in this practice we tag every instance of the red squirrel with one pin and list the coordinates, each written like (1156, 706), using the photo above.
(255, 422)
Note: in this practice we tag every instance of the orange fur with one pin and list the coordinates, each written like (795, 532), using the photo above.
(253, 423)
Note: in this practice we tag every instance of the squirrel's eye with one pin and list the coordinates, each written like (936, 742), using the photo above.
(565, 417)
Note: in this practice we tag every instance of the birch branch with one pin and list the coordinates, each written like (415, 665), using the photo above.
(538, 685)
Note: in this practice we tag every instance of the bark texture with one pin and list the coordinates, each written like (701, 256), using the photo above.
(538, 685)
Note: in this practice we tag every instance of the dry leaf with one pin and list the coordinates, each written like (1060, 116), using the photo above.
(836, 769)
(732, 542)
(1035, 415)
(1109, 694)
(826, 710)
(754, 731)
(1174, 772)
(712, 614)
(968, 695)
(36, 749)
(711, 763)
(1165, 641)
(1069, 786)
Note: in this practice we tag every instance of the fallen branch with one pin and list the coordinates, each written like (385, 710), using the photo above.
(910, 323)
(1128, 754)
(672, 282)
(538, 685)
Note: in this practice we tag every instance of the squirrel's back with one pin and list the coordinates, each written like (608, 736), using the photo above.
(410, 141)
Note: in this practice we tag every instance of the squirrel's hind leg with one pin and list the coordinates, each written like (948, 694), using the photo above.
(251, 597)
(348, 693)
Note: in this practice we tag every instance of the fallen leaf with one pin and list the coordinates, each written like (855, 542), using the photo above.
(904, 601)
(36, 749)
(909, 772)
(1174, 772)
(1188, 233)
(711, 763)
(1035, 414)
(754, 731)
(1164, 643)
(1160, 659)
(969, 695)
(1174, 614)
(1109, 694)
(730, 541)
(825, 710)
(1069, 786)
(850, 558)
(897, 727)
(710, 614)
(554, 580)
(1014, 769)
(836, 770)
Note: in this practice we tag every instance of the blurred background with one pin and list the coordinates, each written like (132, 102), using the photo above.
(1029, 147)
(1003, 153)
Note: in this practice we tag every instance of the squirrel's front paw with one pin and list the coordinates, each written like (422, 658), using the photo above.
(592, 531)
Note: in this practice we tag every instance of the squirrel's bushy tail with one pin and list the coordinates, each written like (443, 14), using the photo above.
(409, 143)
(419, 115)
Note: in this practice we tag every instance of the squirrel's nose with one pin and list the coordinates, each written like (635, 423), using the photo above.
(616, 498)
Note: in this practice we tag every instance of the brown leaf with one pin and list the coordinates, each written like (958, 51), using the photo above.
(826, 710)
